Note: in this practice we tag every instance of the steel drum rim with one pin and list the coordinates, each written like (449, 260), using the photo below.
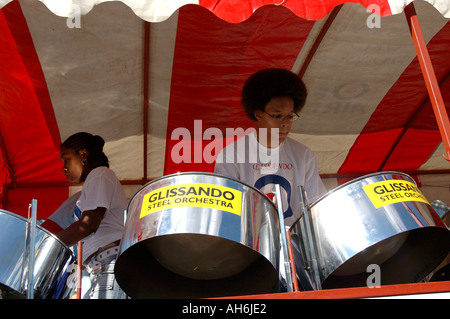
(355, 181)
(39, 227)
(197, 173)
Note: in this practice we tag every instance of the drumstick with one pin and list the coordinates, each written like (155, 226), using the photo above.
(291, 257)
(79, 271)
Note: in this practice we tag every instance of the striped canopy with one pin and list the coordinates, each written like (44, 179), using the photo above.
(139, 72)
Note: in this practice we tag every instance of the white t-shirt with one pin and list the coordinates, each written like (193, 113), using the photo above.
(290, 164)
(103, 189)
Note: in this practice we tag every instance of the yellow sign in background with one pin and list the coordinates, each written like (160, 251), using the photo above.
(393, 191)
(192, 195)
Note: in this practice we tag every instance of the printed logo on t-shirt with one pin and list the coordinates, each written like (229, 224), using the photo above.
(267, 183)
(271, 166)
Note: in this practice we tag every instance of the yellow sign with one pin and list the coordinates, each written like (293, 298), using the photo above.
(192, 195)
(393, 191)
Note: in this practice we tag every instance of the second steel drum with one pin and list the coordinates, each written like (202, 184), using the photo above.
(379, 220)
(193, 235)
(51, 258)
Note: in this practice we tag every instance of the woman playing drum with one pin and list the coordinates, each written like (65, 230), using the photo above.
(99, 211)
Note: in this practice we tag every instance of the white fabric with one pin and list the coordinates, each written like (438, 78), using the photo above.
(291, 164)
(443, 6)
(103, 189)
(160, 10)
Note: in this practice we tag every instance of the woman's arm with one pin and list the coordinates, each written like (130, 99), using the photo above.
(88, 223)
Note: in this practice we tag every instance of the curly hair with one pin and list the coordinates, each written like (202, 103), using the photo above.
(266, 84)
(92, 143)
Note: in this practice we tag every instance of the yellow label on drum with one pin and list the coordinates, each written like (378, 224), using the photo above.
(192, 195)
(393, 191)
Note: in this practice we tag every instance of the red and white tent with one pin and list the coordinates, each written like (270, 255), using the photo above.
(134, 71)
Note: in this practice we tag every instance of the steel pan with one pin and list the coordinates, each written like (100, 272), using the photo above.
(192, 235)
(51, 258)
(379, 219)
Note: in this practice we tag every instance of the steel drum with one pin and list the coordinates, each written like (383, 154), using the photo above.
(192, 235)
(379, 219)
(51, 258)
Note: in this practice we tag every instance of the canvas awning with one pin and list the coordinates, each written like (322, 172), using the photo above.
(133, 72)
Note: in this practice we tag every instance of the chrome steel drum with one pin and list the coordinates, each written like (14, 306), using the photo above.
(380, 219)
(51, 258)
(192, 235)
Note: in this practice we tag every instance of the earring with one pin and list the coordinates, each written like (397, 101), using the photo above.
(84, 162)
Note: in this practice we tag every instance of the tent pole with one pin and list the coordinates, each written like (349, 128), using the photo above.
(79, 269)
(146, 82)
(318, 41)
(429, 76)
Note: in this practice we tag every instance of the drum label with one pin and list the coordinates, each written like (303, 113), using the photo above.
(393, 191)
(192, 195)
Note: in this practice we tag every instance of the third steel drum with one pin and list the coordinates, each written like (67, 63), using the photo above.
(379, 220)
